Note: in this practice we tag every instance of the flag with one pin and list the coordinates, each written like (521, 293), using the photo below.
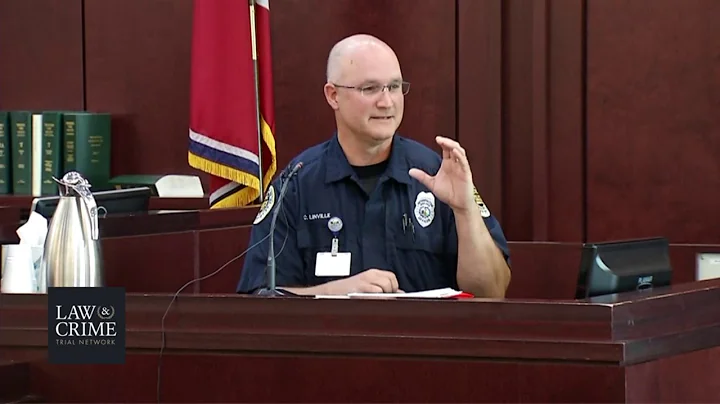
(223, 112)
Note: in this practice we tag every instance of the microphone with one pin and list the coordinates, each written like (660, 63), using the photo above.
(271, 291)
(271, 269)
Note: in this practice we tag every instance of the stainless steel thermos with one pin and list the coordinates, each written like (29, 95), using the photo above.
(73, 254)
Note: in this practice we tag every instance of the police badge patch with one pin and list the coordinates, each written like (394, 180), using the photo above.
(425, 208)
(484, 211)
(266, 206)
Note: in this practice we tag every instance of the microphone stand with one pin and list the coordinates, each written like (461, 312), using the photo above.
(272, 289)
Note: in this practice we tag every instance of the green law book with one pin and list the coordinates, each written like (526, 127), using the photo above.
(52, 149)
(21, 156)
(87, 138)
(5, 171)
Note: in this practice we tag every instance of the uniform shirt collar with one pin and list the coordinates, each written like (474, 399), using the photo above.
(339, 168)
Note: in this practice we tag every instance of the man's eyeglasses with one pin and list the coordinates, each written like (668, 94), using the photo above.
(371, 90)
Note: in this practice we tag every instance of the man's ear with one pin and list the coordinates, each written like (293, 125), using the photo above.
(331, 95)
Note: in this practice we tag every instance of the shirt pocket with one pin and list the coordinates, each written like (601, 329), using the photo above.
(423, 261)
(310, 241)
(313, 238)
(430, 243)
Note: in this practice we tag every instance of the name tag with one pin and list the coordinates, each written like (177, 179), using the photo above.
(328, 264)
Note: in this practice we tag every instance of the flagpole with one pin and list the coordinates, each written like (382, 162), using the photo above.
(257, 97)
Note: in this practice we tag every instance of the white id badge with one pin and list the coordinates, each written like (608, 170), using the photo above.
(329, 264)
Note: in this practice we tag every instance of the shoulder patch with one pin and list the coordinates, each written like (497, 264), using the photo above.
(266, 206)
(484, 211)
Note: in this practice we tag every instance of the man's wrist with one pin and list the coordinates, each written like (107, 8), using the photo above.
(321, 289)
(470, 222)
(467, 212)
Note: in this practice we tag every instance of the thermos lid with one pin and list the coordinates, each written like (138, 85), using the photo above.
(73, 184)
(73, 181)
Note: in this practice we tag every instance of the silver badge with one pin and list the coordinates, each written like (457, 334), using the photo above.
(425, 208)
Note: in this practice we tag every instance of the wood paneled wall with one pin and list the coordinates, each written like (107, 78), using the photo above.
(584, 119)
(137, 66)
(41, 54)
(653, 127)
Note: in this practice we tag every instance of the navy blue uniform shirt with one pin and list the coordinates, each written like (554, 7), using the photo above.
(422, 254)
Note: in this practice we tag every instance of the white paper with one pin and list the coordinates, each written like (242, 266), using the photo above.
(432, 294)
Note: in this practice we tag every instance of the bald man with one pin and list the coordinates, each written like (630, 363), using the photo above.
(371, 211)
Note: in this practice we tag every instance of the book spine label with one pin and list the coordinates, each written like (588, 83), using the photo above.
(69, 125)
(20, 143)
(5, 171)
(52, 152)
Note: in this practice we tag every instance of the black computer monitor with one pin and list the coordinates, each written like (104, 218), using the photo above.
(131, 200)
(623, 266)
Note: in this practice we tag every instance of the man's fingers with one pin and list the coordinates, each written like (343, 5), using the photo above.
(384, 282)
(422, 176)
(394, 282)
(390, 283)
(370, 288)
(447, 143)
(449, 146)
(462, 159)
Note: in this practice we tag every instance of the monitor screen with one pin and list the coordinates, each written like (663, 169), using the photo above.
(132, 200)
(623, 266)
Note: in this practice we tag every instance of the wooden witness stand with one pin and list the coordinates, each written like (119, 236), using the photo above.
(643, 347)
(538, 345)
